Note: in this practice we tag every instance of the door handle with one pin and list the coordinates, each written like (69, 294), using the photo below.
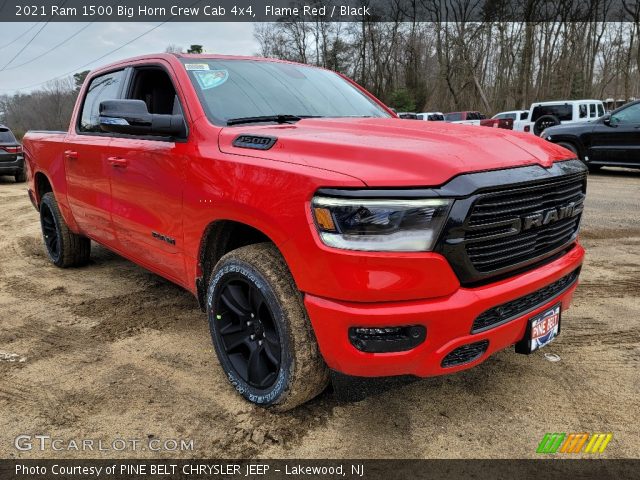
(118, 162)
(70, 155)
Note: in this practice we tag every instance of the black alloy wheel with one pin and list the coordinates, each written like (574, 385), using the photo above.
(260, 329)
(64, 247)
(248, 331)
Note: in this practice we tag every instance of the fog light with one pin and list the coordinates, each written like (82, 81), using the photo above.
(387, 339)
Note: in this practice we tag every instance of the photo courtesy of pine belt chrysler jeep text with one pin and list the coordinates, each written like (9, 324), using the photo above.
(322, 234)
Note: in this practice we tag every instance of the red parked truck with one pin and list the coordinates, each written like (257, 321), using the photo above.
(319, 233)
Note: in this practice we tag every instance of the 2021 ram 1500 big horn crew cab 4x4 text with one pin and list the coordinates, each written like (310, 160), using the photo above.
(319, 232)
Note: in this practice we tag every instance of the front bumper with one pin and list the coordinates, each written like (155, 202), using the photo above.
(12, 168)
(448, 321)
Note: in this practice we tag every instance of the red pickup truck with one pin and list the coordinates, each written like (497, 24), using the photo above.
(321, 234)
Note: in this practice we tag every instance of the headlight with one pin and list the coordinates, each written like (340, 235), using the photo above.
(380, 225)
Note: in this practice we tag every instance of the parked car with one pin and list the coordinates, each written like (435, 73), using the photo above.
(519, 118)
(431, 116)
(477, 119)
(613, 139)
(549, 114)
(321, 236)
(466, 118)
(11, 159)
(408, 115)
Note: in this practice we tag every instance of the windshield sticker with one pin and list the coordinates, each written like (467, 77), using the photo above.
(211, 79)
(196, 66)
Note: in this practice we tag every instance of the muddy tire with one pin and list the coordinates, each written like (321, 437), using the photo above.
(64, 248)
(260, 329)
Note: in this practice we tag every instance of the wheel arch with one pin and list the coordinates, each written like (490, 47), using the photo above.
(575, 141)
(42, 185)
(220, 237)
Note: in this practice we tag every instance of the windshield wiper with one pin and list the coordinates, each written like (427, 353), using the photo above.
(269, 118)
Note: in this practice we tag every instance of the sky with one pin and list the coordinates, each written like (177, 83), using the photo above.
(92, 41)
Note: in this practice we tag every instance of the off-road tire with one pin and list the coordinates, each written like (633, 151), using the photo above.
(21, 177)
(73, 250)
(302, 373)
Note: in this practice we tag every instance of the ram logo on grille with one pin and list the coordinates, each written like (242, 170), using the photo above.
(551, 215)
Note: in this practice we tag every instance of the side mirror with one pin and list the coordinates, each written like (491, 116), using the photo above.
(607, 120)
(131, 117)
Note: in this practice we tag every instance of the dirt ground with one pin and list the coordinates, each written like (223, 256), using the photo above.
(112, 351)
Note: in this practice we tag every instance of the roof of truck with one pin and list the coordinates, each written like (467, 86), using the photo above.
(549, 102)
(193, 56)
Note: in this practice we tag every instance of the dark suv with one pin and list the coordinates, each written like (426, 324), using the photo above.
(611, 140)
(11, 159)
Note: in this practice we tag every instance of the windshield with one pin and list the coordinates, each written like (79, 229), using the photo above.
(236, 89)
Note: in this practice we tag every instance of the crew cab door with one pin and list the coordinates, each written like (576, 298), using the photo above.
(85, 160)
(618, 141)
(147, 181)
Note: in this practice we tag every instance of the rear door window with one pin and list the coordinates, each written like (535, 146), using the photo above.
(592, 110)
(104, 87)
(453, 117)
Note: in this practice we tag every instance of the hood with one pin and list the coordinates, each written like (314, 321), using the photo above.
(394, 152)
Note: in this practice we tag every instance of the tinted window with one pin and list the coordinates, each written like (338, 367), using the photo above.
(600, 110)
(592, 110)
(435, 117)
(524, 115)
(473, 116)
(453, 117)
(6, 136)
(105, 87)
(629, 115)
(231, 89)
(564, 112)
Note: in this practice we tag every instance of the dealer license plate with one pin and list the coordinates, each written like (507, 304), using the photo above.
(544, 328)
(541, 330)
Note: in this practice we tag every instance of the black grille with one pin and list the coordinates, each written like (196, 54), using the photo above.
(465, 354)
(518, 307)
(494, 237)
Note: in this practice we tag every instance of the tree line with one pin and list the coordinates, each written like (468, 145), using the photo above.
(449, 66)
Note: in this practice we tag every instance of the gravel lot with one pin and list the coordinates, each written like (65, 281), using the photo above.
(112, 351)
